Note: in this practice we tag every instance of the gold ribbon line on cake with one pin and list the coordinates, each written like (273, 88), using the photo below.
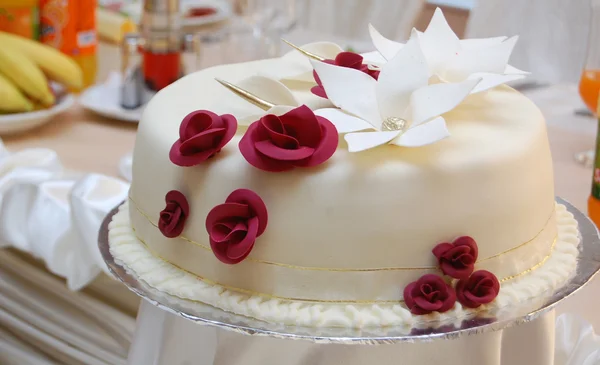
(309, 268)
(271, 296)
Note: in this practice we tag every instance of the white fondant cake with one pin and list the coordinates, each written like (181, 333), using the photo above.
(345, 238)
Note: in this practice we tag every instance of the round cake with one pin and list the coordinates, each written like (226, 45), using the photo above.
(359, 239)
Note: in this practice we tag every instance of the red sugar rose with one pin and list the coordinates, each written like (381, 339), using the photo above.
(202, 134)
(172, 218)
(298, 138)
(429, 294)
(344, 59)
(234, 226)
(457, 259)
(480, 288)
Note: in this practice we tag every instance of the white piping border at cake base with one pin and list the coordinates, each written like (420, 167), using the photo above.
(129, 252)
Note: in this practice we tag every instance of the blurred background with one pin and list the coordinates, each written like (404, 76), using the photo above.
(75, 76)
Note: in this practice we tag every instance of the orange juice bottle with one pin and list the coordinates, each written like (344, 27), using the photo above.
(57, 18)
(594, 199)
(20, 17)
(589, 88)
(87, 41)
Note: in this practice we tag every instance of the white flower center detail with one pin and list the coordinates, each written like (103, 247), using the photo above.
(393, 124)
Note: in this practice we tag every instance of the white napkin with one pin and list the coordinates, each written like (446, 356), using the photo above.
(54, 216)
(576, 342)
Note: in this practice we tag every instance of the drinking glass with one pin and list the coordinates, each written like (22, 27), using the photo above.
(589, 84)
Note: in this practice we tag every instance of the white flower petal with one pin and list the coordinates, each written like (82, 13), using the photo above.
(438, 42)
(491, 59)
(402, 75)
(269, 89)
(386, 47)
(437, 99)
(481, 42)
(350, 90)
(366, 140)
(344, 123)
(373, 58)
(514, 71)
(424, 134)
(489, 81)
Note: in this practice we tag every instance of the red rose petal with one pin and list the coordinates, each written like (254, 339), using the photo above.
(230, 124)
(424, 304)
(186, 161)
(439, 250)
(206, 140)
(240, 249)
(223, 231)
(454, 272)
(319, 91)
(326, 148)
(178, 198)
(257, 159)
(349, 59)
(470, 242)
(277, 133)
(255, 203)
(224, 212)
(196, 122)
(408, 296)
(302, 123)
(268, 149)
(449, 302)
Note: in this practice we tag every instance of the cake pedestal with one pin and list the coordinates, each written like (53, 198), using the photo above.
(174, 331)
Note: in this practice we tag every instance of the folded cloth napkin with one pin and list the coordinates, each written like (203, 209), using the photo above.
(55, 215)
(576, 342)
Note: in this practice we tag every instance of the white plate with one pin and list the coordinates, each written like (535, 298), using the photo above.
(223, 11)
(104, 99)
(19, 122)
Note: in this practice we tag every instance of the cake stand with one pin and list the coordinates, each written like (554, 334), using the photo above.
(172, 330)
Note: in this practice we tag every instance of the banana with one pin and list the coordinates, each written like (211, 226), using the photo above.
(58, 66)
(25, 75)
(11, 99)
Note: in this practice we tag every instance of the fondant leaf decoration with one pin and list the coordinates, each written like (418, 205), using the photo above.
(269, 89)
(400, 108)
(454, 60)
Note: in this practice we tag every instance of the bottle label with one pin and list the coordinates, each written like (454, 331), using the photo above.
(86, 39)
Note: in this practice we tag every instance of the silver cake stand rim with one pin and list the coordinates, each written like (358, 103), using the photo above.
(588, 265)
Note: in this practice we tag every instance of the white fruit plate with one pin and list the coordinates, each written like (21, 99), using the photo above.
(20, 122)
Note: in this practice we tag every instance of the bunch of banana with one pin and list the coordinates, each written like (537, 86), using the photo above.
(26, 67)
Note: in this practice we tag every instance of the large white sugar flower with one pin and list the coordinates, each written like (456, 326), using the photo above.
(401, 107)
(454, 60)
